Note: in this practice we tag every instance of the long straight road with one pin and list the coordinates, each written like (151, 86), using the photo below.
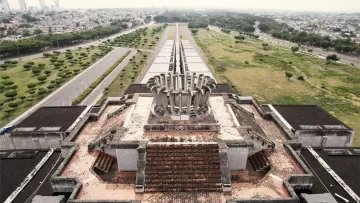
(97, 93)
(68, 93)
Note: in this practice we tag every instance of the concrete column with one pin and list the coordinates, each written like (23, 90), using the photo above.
(171, 97)
(180, 103)
(192, 81)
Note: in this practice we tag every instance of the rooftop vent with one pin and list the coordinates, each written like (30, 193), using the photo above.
(23, 154)
(49, 129)
(310, 127)
(24, 129)
(335, 127)
(337, 152)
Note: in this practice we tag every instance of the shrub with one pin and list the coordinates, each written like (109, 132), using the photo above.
(27, 66)
(31, 85)
(13, 104)
(47, 55)
(300, 77)
(11, 94)
(42, 78)
(14, 87)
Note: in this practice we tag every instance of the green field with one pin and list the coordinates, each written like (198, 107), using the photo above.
(251, 70)
(53, 71)
(131, 73)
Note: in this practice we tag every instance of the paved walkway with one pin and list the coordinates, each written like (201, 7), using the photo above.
(156, 52)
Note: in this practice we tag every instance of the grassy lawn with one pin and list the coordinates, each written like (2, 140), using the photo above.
(44, 75)
(251, 70)
(130, 74)
(145, 38)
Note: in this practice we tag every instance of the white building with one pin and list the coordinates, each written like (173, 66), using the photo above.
(42, 4)
(23, 6)
(57, 5)
(4, 6)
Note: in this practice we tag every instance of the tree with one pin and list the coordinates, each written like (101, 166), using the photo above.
(332, 57)
(11, 93)
(14, 87)
(50, 87)
(329, 58)
(47, 55)
(30, 99)
(27, 66)
(288, 75)
(240, 37)
(4, 66)
(42, 91)
(26, 33)
(8, 110)
(22, 98)
(31, 85)
(13, 104)
(47, 72)
(42, 78)
(37, 31)
(194, 32)
(5, 77)
(36, 71)
(265, 46)
(2, 87)
(295, 49)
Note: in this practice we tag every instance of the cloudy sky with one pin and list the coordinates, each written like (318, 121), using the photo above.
(303, 5)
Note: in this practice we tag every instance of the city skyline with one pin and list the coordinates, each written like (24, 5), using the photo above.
(23, 6)
(42, 4)
(317, 6)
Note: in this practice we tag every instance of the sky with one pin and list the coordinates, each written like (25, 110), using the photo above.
(303, 5)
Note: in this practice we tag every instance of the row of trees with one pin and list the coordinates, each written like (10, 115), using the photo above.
(56, 40)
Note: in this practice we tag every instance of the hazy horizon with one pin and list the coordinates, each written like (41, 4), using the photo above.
(349, 6)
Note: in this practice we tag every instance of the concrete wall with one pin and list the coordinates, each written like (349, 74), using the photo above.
(127, 159)
(111, 152)
(325, 139)
(31, 141)
(237, 158)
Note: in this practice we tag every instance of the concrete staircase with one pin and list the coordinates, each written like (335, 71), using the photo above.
(103, 162)
(259, 161)
(183, 168)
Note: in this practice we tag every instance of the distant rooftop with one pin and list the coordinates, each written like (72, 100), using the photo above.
(309, 117)
(344, 161)
(50, 119)
(17, 164)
